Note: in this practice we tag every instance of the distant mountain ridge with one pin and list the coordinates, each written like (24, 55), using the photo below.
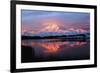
(54, 35)
(49, 34)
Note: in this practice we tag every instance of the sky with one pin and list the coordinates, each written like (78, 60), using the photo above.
(37, 22)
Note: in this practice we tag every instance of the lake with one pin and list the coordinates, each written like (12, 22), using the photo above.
(41, 50)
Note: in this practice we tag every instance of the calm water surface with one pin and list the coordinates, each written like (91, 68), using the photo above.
(54, 50)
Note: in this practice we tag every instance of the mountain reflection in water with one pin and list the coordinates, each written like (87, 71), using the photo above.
(54, 50)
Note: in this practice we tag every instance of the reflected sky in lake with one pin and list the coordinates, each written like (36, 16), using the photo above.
(54, 50)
